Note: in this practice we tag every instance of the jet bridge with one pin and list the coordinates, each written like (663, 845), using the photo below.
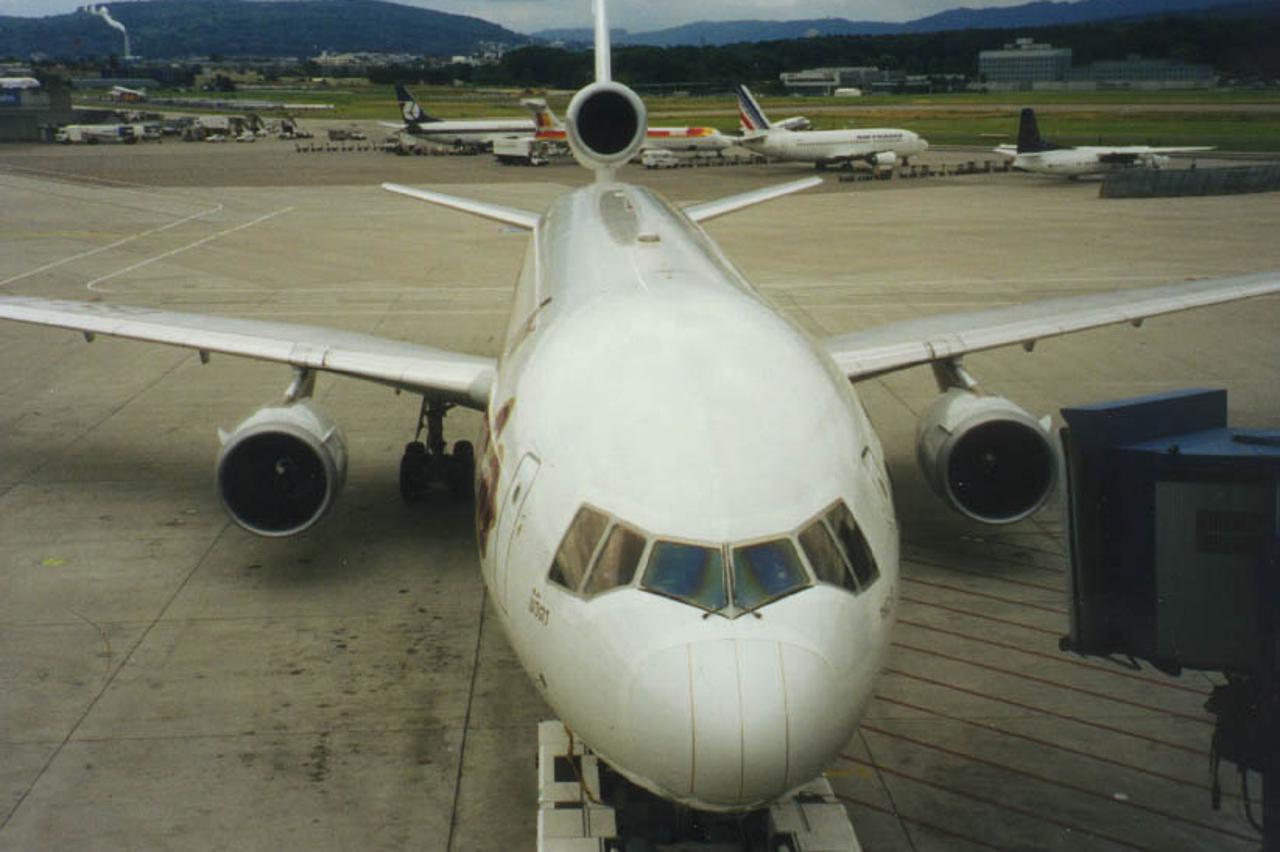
(1175, 560)
(583, 806)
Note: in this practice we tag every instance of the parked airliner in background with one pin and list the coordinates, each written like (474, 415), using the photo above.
(876, 146)
(700, 586)
(1034, 154)
(480, 132)
(551, 129)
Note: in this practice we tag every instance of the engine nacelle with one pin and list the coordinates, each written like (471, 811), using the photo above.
(986, 457)
(606, 124)
(281, 470)
(883, 159)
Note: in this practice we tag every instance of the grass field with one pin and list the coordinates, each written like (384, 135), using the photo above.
(1229, 120)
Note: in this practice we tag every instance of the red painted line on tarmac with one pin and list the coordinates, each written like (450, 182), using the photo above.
(1084, 791)
(1057, 590)
(1058, 658)
(1052, 713)
(1093, 693)
(1003, 806)
(925, 825)
(1053, 609)
(981, 615)
(1043, 743)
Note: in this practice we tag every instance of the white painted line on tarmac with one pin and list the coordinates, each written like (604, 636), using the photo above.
(6, 282)
(93, 285)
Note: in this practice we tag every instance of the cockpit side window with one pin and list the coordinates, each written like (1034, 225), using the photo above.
(579, 545)
(825, 556)
(617, 562)
(854, 544)
(766, 571)
(687, 572)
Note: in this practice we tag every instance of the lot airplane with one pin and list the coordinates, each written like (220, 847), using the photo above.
(682, 510)
(876, 146)
(1034, 154)
(480, 132)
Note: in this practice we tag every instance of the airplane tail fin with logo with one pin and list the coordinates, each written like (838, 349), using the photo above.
(1029, 139)
(750, 116)
(409, 108)
(545, 121)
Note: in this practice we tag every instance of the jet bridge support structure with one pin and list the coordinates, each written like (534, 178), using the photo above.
(1175, 560)
(583, 806)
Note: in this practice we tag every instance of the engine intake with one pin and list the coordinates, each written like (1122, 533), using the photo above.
(986, 457)
(281, 469)
(607, 124)
(884, 158)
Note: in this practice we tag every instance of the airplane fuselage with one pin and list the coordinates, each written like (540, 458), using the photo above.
(644, 379)
(835, 146)
(1078, 162)
(469, 132)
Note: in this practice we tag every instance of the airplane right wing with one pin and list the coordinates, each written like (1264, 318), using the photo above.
(449, 376)
(924, 340)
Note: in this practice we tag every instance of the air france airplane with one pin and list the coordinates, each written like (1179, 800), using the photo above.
(876, 146)
(682, 510)
(1034, 154)
(480, 131)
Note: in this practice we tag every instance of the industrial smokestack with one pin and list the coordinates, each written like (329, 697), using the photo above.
(103, 13)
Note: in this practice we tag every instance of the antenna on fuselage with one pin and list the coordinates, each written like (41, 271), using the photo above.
(606, 121)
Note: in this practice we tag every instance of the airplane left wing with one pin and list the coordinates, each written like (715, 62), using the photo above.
(449, 376)
(896, 346)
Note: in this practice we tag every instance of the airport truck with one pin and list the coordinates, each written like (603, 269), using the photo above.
(92, 134)
(519, 151)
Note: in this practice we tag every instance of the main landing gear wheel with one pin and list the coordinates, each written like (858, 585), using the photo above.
(427, 464)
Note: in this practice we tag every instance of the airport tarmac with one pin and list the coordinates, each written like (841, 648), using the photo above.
(172, 682)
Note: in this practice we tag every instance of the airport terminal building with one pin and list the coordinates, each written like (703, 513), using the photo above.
(1026, 65)
(29, 109)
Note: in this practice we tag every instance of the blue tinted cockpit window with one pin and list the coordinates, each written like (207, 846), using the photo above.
(765, 571)
(687, 572)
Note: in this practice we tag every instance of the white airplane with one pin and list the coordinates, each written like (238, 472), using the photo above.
(1034, 154)
(876, 146)
(551, 128)
(126, 95)
(701, 586)
(479, 132)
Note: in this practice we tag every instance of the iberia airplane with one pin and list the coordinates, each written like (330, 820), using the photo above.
(682, 509)
(551, 129)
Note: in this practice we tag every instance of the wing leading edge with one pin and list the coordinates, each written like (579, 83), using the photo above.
(450, 376)
(896, 346)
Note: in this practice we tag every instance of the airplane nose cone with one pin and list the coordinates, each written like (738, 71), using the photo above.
(734, 723)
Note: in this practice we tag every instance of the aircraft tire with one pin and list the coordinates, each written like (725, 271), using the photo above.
(414, 477)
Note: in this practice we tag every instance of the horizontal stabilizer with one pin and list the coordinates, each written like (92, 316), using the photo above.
(497, 212)
(713, 209)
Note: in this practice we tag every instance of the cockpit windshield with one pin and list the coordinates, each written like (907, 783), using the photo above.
(600, 553)
(687, 572)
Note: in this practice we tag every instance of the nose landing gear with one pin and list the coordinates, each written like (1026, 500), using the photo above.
(426, 464)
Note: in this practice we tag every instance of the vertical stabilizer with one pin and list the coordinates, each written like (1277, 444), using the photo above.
(409, 109)
(750, 116)
(604, 50)
(1029, 139)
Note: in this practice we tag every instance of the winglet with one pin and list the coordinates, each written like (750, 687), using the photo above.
(497, 212)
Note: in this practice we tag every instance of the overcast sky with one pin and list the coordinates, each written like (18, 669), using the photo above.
(636, 15)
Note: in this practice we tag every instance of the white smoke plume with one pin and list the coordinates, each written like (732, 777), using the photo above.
(105, 14)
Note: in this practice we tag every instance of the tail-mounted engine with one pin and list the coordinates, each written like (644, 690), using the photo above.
(607, 124)
(281, 470)
(986, 457)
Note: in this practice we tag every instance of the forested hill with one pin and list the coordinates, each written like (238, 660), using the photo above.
(1041, 13)
(180, 28)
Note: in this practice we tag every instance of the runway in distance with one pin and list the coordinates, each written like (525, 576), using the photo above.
(875, 146)
(701, 586)
(551, 129)
(479, 132)
(1034, 154)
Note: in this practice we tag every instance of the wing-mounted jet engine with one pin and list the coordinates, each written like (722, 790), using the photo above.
(986, 457)
(884, 159)
(281, 470)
